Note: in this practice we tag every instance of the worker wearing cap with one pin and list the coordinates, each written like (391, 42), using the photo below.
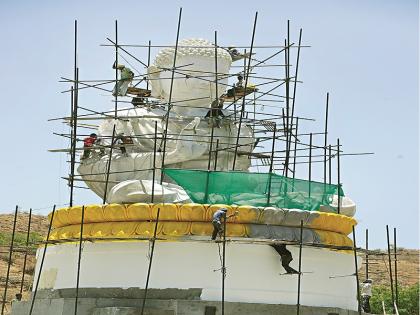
(366, 294)
(217, 222)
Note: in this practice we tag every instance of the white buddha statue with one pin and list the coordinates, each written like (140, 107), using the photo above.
(188, 131)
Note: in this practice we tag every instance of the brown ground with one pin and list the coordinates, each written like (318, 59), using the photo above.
(408, 260)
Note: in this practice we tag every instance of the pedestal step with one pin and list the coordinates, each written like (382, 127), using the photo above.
(129, 311)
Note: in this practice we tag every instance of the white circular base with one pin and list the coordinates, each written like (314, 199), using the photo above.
(253, 272)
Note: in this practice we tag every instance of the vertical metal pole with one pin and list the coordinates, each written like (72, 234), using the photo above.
(148, 62)
(300, 268)
(170, 96)
(154, 164)
(271, 165)
(359, 308)
(9, 262)
(310, 163)
(26, 251)
(390, 268)
(150, 262)
(108, 168)
(224, 264)
(338, 177)
(367, 254)
(216, 154)
(287, 86)
(74, 109)
(325, 139)
(296, 75)
(395, 267)
(116, 71)
(329, 164)
(295, 150)
(42, 262)
(243, 99)
(211, 109)
(212, 120)
(73, 113)
(79, 259)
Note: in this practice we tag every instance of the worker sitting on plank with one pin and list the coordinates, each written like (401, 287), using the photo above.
(88, 144)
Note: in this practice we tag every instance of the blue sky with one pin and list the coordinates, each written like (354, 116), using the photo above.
(365, 53)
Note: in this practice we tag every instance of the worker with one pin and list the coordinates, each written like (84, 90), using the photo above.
(126, 77)
(217, 221)
(88, 143)
(285, 256)
(240, 83)
(121, 140)
(216, 109)
(366, 294)
(234, 53)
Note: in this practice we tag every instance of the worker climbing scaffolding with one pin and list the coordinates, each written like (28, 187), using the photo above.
(285, 257)
(126, 77)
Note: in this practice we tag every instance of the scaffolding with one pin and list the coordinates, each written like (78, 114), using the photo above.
(268, 108)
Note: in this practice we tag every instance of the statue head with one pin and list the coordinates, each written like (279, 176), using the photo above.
(194, 85)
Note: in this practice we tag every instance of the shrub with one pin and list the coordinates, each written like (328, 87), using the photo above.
(408, 299)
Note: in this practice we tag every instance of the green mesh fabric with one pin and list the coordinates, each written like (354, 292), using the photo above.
(255, 189)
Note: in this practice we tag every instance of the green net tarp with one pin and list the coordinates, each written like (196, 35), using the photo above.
(254, 189)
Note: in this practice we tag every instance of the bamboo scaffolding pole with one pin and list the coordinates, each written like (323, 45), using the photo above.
(170, 94)
(367, 255)
(9, 262)
(356, 268)
(390, 268)
(25, 258)
(79, 257)
(224, 263)
(42, 262)
(300, 268)
(243, 99)
(74, 115)
(153, 240)
(396, 268)
(326, 138)
(108, 167)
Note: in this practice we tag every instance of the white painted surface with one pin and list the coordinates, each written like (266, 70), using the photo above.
(253, 271)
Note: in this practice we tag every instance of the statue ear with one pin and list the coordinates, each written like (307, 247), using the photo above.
(153, 74)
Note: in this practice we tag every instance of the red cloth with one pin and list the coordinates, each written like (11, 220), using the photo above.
(89, 141)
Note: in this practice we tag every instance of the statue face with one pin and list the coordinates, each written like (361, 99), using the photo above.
(194, 77)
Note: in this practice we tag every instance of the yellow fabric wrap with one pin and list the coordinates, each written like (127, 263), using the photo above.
(130, 230)
(195, 213)
(115, 212)
(168, 212)
(192, 212)
(247, 214)
(139, 212)
(333, 222)
(333, 238)
(176, 228)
